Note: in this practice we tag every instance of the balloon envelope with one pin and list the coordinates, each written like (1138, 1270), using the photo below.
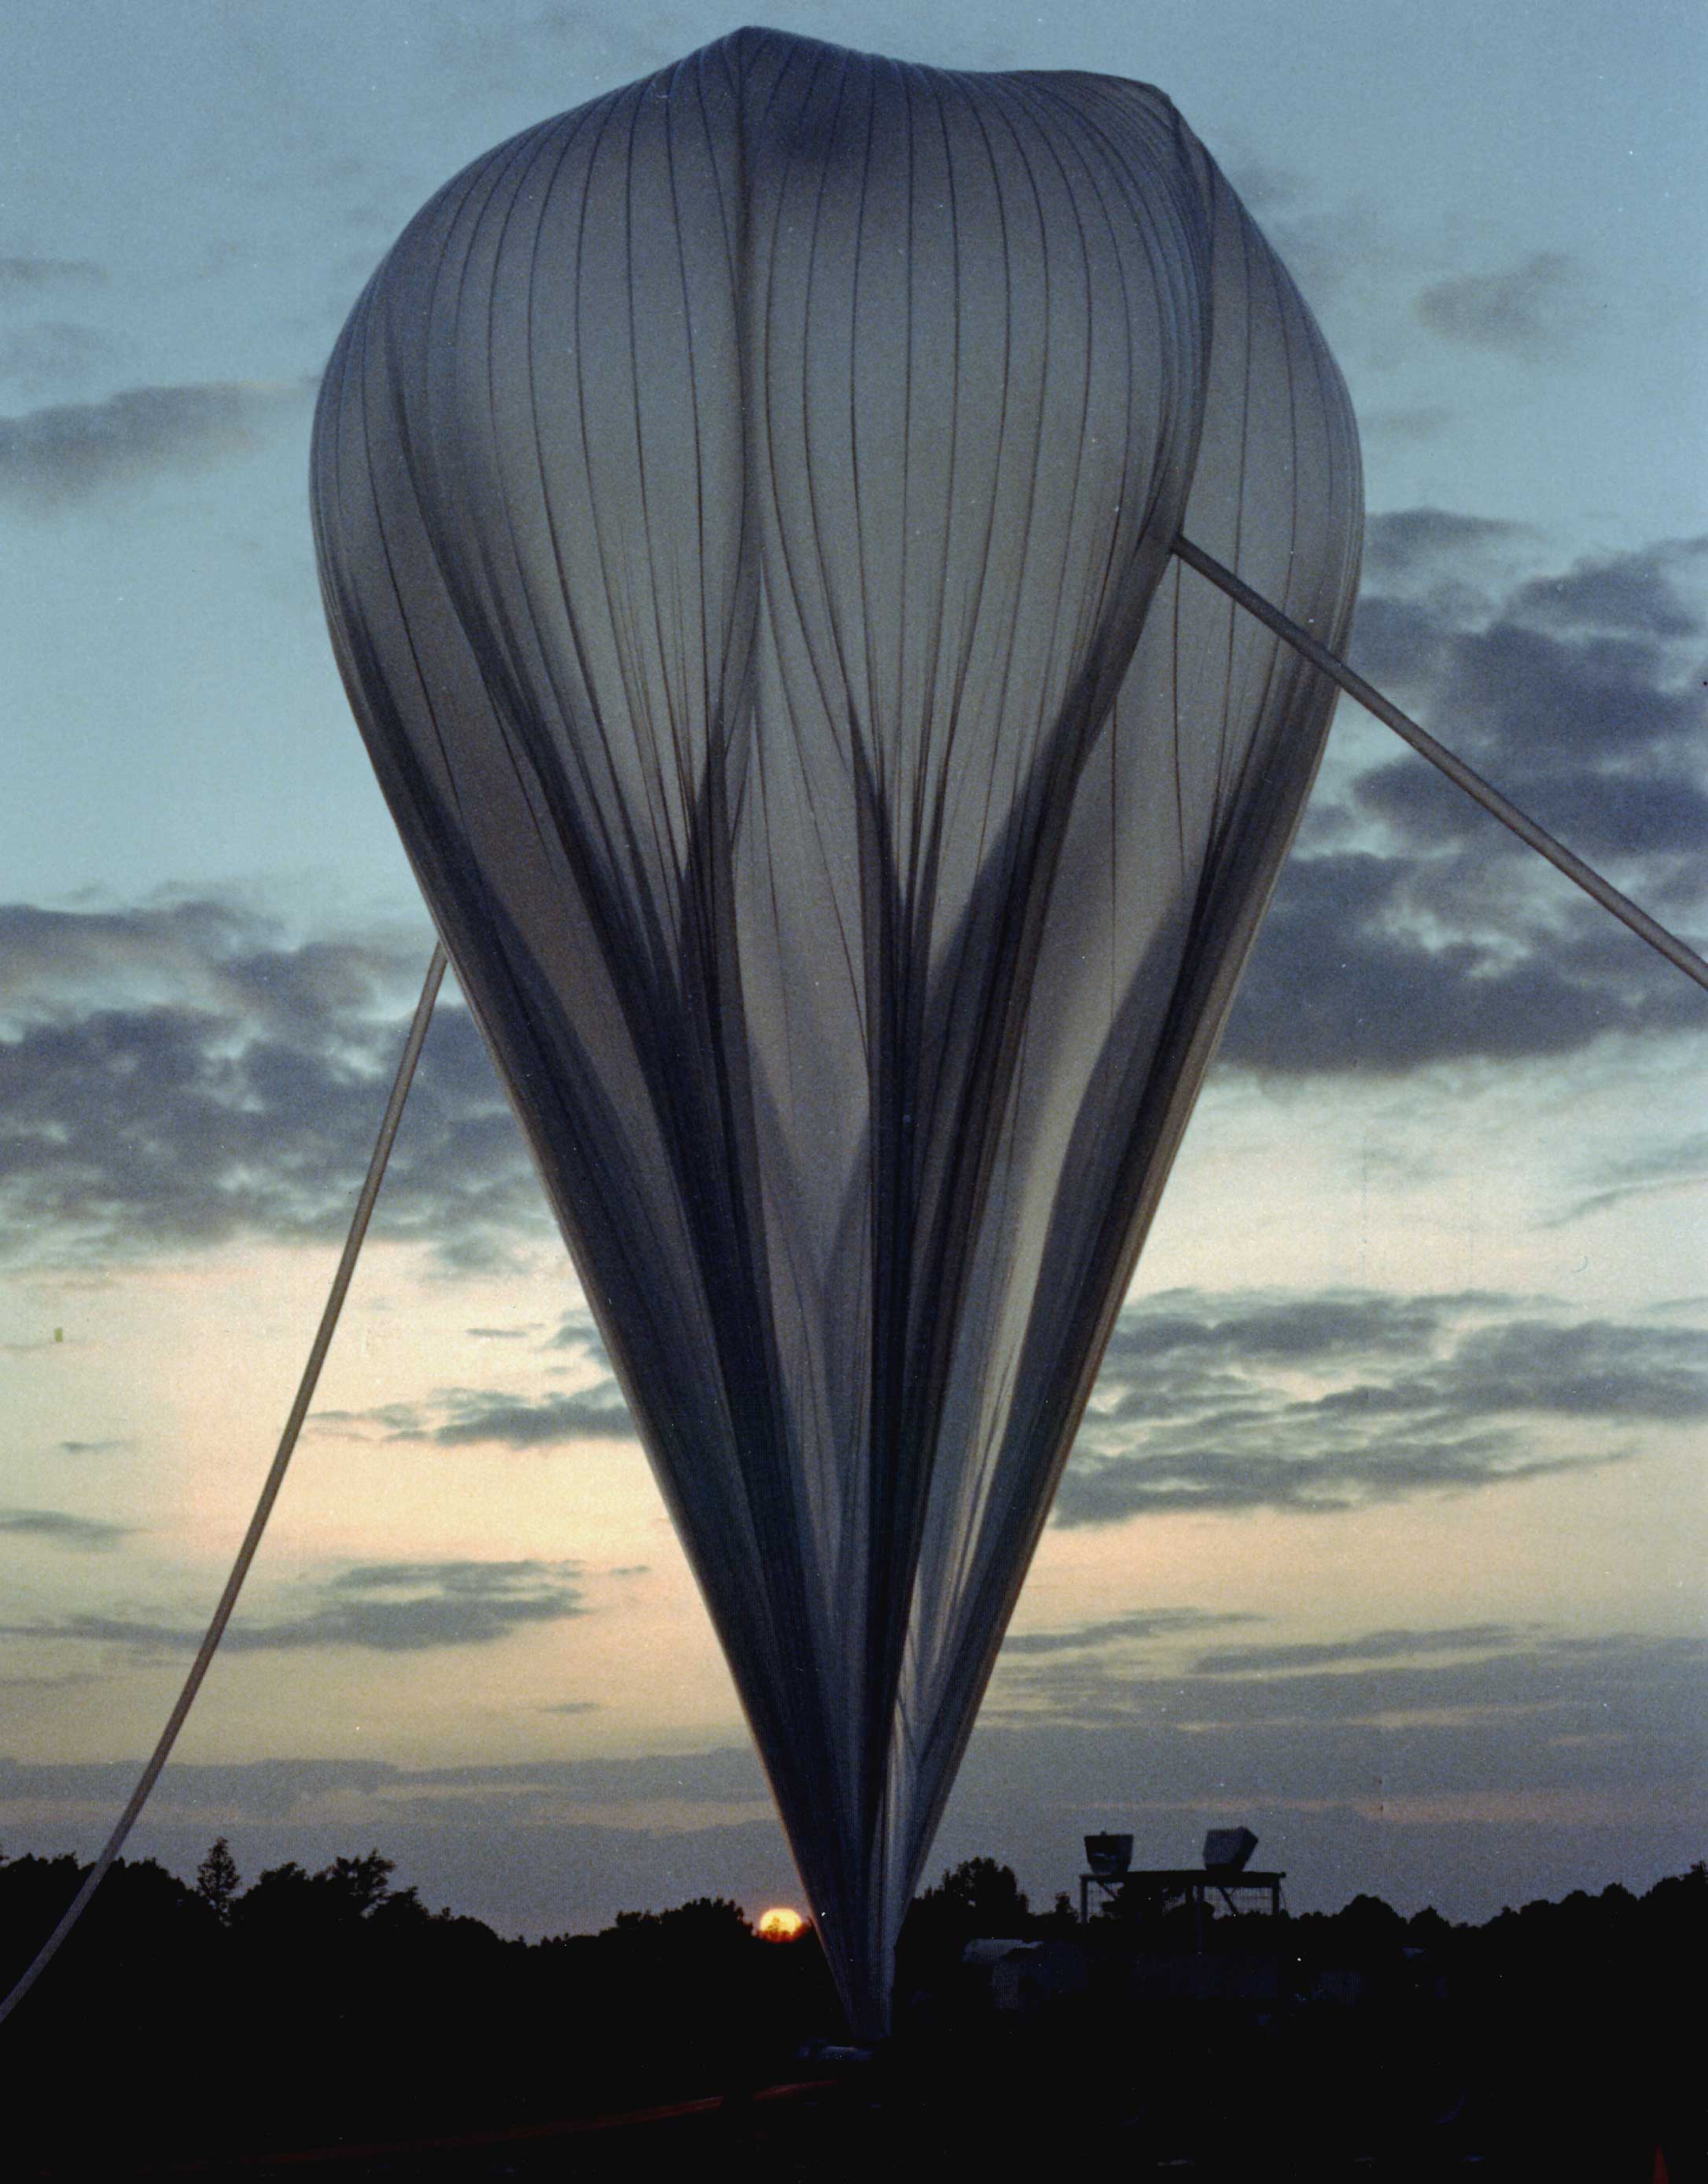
(744, 507)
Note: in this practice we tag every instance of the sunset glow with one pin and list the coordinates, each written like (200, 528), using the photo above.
(781, 1924)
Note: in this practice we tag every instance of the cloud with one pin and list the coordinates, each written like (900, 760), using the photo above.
(1409, 424)
(1374, 1646)
(60, 1529)
(1448, 1695)
(1631, 595)
(27, 273)
(465, 1417)
(1120, 1629)
(55, 457)
(1320, 1404)
(1528, 311)
(1407, 541)
(1681, 1164)
(725, 1774)
(515, 1422)
(42, 357)
(385, 1607)
(182, 1074)
(1409, 929)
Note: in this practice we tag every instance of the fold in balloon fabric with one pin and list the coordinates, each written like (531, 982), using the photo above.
(744, 507)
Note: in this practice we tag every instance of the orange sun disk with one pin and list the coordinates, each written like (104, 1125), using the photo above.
(781, 1924)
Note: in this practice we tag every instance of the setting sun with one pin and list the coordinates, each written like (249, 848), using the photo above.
(781, 1923)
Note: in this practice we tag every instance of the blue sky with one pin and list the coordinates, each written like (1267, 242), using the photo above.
(1385, 1529)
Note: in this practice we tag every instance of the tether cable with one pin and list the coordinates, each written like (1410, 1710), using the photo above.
(270, 1491)
(1681, 956)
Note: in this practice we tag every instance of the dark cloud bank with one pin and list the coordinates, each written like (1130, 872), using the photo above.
(1409, 928)
(180, 1076)
(56, 457)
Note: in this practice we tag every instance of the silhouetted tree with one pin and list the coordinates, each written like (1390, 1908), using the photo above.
(982, 1896)
(705, 1922)
(360, 1884)
(217, 1880)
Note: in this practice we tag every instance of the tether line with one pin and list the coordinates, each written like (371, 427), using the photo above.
(270, 1491)
(1681, 956)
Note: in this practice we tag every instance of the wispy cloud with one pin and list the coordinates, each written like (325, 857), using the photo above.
(60, 1529)
(43, 357)
(1681, 1164)
(384, 1608)
(53, 457)
(1137, 1628)
(465, 1417)
(30, 273)
(1374, 1646)
(1320, 1404)
(1444, 1697)
(1529, 310)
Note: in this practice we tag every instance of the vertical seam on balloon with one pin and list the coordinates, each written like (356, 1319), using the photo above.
(624, 105)
(1024, 527)
(659, 806)
(869, 711)
(574, 747)
(781, 529)
(794, 588)
(388, 365)
(905, 101)
(933, 651)
(495, 175)
(976, 610)
(607, 118)
(542, 651)
(706, 677)
(1072, 128)
(1248, 345)
(1070, 681)
(712, 756)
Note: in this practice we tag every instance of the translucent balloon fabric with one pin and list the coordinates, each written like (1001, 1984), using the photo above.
(744, 507)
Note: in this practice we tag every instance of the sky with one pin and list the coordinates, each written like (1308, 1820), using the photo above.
(1385, 1529)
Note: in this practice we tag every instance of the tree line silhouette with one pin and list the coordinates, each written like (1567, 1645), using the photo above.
(307, 2008)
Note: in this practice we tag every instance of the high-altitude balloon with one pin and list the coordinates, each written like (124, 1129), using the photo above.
(745, 507)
